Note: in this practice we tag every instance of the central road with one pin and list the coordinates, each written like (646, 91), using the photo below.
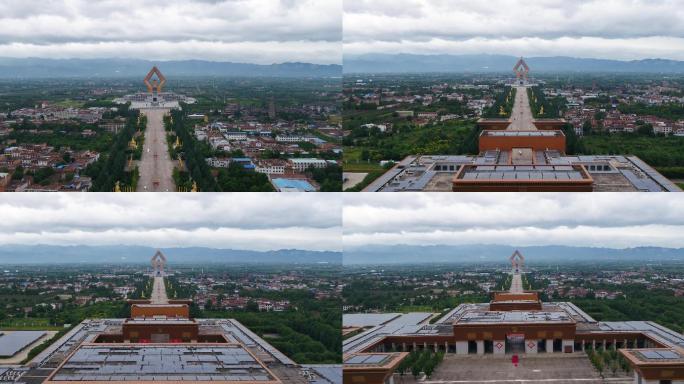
(159, 291)
(516, 284)
(521, 115)
(155, 166)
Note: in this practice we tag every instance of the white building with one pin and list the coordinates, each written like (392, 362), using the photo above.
(216, 162)
(381, 127)
(200, 134)
(289, 139)
(661, 127)
(271, 168)
(219, 143)
(236, 136)
(300, 165)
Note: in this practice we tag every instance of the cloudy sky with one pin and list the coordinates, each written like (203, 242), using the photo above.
(262, 221)
(615, 29)
(255, 31)
(617, 220)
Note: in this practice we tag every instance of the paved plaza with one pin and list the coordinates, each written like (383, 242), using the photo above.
(543, 368)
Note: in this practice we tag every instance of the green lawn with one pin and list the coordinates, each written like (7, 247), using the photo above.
(362, 167)
(68, 103)
(657, 151)
(369, 178)
(415, 308)
(325, 137)
(28, 324)
(447, 138)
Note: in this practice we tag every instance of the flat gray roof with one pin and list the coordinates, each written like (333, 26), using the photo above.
(367, 319)
(415, 172)
(496, 317)
(406, 324)
(662, 334)
(327, 373)
(521, 133)
(364, 359)
(161, 363)
(13, 342)
(651, 355)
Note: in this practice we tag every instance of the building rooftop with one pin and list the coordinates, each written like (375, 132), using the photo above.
(367, 319)
(163, 362)
(498, 317)
(292, 185)
(660, 355)
(606, 172)
(655, 331)
(522, 172)
(521, 133)
(368, 359)
(278, 364)
(159, 321)
(13, 342)
(406, 324)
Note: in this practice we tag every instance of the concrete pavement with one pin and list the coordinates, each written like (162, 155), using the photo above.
(516, 284)
(159, 291)
(521, 116)
(155, 164)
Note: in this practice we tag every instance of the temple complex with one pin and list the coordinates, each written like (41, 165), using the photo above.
(522, 153)
(514, 322)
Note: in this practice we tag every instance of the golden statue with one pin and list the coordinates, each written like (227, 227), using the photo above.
(502, 112)
(194, 186)
(541, 110)
(133, 144)
(117, 186)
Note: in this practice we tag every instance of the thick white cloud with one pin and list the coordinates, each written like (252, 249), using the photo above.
(607, 220)
(263, 221)
(618, 29)
(261, 31)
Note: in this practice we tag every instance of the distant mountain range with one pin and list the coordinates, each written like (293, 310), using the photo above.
(108, 68)
(410, 63)
(50, 254)
(473, 254)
